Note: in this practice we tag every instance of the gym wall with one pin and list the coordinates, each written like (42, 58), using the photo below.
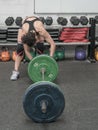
(39, 7)
(66, 6)
(15, 8)
(44, 8)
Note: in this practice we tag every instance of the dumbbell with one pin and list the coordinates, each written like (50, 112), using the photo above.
(9, 21)
(83, 20)
(18, 21)
(42, 19)
(96, 19)
(62, 21)
(48, 20)
(74, 20)
(43, 100)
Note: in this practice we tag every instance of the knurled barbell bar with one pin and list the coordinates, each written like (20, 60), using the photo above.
(43, 100)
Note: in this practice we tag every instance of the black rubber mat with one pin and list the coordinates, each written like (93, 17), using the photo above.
(79, 83)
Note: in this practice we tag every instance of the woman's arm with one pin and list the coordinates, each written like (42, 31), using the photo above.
(27, 51)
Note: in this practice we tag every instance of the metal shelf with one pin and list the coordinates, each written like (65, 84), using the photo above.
(8, 44)
(57, 43)
(70, 43)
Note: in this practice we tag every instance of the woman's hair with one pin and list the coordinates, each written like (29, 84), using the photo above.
(29, 38)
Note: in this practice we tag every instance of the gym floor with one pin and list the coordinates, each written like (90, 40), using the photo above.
(78, 81)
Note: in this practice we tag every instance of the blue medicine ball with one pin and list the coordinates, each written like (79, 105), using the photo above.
(80, 54)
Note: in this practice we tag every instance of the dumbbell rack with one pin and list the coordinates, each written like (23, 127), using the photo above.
(58, 43)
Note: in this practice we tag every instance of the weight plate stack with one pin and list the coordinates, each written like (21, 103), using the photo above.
(12, 34)
(54, 33)
(3, 35)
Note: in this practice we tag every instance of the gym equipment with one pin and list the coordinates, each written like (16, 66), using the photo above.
(62, 21)
(80, 53)
(9, 21)
(74, 20)
(42, 19)
(83, 20)
(33, 55)
(3, 31)
(43, 101)
(0, 56)
(18, 21)
(46, 52)
(59, 19)
(96, 52)
(96, 55)
(74, 34)
(12, 34)
(3, 35)
(61, 54)
(91, 48)
(42, 63)
(14, 54)
(5, 54)
(48, 20)
(55, 56)
(54, 33)
(96, 18)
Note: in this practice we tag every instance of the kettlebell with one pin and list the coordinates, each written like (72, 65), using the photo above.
(96, 53)
(5, 54)
(0, 56)
(14, 54)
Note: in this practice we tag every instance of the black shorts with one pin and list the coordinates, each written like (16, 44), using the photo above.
(39, 48)
(20, 49)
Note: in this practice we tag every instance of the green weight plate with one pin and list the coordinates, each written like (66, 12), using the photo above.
(39, 92)
(36, 65)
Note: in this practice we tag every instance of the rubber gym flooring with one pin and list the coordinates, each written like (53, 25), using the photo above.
(78, 81)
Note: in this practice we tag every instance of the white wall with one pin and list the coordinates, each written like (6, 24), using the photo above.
(66, 6)
(26, 8)
(15, 8)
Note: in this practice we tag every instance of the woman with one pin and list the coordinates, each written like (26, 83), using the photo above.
(31, 33)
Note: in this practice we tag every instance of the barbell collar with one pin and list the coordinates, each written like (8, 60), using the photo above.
(44, 106)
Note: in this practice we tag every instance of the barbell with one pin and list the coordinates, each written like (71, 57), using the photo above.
(43, 100)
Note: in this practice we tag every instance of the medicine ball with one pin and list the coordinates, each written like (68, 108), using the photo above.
(61, 54)
(80, 53)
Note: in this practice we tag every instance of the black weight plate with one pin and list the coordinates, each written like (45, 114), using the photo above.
(38, 92)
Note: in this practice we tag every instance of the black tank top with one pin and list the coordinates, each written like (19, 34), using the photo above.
(31, 24)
